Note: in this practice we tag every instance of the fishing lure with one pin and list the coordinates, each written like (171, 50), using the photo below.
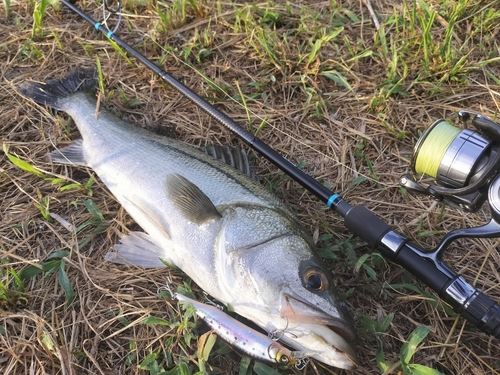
(241, 337)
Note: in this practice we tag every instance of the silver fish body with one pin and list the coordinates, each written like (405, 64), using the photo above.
(230, 235)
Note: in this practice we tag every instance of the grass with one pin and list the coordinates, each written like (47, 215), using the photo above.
(316, 81)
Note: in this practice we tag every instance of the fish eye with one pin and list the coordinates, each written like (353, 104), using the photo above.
(315, 279)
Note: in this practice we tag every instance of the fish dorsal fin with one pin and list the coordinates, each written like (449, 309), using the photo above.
(234, 157)
(72, 154)
(193, 204)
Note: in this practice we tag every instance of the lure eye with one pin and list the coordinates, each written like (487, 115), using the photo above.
(284, 360)
(315, 279)
(278, 354)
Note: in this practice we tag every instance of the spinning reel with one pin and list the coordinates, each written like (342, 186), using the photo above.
(464, 163)
(466, 167)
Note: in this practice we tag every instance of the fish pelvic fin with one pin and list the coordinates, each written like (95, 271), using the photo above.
(137, 249)
(52, 92)
(192, 203)
(72, 154)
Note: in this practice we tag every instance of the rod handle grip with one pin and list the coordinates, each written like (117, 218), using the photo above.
(483, 312)
(475, 306)
(365, 224)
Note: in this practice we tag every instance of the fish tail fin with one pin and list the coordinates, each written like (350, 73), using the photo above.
(53, 92)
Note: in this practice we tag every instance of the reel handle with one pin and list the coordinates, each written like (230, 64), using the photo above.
(471, 303)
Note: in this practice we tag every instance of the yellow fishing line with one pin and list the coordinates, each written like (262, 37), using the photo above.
(432, 146)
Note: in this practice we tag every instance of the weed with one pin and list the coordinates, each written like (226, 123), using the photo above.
(338, 78)
(55, 263)
(43, 202)
(243, 100)
(98, 222)
(358, 152)
(43, 206)
(12, 291)
(318, 43)
(175, 15)
(410, 348)
(6, 3)
(59, 43)
(100, 75)
(127, 102)
(198, 47)
(39, 14)
(31, 52)
(120, 51)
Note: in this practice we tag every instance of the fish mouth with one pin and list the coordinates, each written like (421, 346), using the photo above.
(340, 329)
(311, 329)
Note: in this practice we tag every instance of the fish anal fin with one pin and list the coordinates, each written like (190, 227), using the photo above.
(137, 249)
(191, 202)
(72, 154)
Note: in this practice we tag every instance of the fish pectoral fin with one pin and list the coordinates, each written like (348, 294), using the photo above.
(191, 202)
(137, 249)
(72, 154)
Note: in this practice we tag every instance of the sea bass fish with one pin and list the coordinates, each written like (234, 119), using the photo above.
(230, 235)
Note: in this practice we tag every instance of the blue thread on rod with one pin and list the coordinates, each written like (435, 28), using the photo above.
(332, 199)
(109, 34)
(97, 25)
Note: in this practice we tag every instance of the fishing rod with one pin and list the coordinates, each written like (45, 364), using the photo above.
(480, 166)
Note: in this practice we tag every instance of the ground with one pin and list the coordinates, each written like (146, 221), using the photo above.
(321, 83)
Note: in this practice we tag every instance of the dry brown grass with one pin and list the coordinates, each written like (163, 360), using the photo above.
(43, 335)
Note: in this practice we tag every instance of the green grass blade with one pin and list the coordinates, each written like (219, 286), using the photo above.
(337, 78)
(30, 271)
(262, 369)
(245, 366)
(416, 369)
(65, 282)
(410, 347)
(6, 3)
(93, 210)
(154, 320)
(382, 364)
(21, 164)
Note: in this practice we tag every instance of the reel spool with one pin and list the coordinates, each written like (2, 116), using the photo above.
(462, 162)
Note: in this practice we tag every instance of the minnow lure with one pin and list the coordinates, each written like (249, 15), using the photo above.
(241, 337)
